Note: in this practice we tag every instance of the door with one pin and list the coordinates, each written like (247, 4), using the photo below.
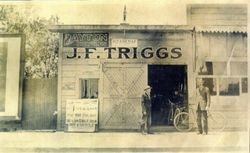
(169, 83)
(123, 84)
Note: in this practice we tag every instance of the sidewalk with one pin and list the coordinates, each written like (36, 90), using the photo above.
(122, 142)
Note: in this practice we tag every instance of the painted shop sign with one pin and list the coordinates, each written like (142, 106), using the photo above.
(124, 42)
(81, 115)
(124, 53)
(85, 39)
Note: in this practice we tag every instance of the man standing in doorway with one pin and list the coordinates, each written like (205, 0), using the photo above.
(146, 111)
(203, 104)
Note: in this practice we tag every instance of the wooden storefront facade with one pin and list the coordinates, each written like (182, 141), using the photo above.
(205, 52)
(121, 81)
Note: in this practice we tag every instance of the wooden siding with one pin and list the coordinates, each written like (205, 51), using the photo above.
(217, 48)
(218, 14)
(39, 104)
(71, 74)
(71, 70)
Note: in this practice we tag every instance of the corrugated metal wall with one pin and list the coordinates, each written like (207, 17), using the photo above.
(39, 104)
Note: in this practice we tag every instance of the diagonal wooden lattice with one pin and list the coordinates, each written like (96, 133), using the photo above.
(123, 85)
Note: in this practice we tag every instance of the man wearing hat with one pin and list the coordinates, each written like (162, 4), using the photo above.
(146, 111)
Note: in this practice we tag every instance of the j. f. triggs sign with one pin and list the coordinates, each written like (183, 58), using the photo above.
(127, 53)
(96, 45)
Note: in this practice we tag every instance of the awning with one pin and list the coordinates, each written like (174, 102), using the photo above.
(221, 29)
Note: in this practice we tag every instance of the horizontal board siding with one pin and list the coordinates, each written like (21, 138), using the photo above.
(70, 75)
(151, 35)
(219, 9)
(217, 15)
(219, 22)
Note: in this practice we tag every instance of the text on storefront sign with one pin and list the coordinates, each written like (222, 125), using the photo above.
(126, 53)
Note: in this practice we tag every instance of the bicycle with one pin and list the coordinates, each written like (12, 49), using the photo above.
(174, 110)
(186, 121)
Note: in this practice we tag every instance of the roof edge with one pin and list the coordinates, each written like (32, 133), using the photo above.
(121, 27)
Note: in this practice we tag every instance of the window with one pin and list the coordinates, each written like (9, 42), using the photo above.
(238, 68)
(219, 68)
(206, 69)
(88, 88)
(229, 87)
(211, 84)
(244, 85)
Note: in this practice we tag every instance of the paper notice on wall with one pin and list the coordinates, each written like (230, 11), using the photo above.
(81, 115)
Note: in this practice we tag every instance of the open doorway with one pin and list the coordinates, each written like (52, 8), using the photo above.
(168, 82)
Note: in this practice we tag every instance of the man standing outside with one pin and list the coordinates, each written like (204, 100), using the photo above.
(146, 104)
(203, 104)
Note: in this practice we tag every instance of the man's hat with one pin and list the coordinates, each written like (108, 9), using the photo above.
(147, 87)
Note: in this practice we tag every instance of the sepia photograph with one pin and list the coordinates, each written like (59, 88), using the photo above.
(124, 76)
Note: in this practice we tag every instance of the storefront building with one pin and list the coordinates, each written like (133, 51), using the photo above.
(109, 65)
(117, 62)
(221, 58)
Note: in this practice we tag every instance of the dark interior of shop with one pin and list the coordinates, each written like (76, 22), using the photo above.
(168, 82)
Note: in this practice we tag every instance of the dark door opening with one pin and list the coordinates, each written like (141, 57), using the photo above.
(168, 82)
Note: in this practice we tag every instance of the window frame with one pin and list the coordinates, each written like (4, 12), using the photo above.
(79, 95)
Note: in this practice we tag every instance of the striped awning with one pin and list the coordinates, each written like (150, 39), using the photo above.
(221, 29)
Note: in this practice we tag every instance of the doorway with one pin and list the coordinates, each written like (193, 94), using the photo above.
(168, 82)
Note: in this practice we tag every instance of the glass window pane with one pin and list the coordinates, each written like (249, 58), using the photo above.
(89, 88)
(211, 84)
(244, 85)
(238, 68)
(229, 87)
(206, 69)
(219, 68)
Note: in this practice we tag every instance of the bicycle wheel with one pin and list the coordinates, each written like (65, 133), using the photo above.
(183, 122)
(177, 111)
(216, 121)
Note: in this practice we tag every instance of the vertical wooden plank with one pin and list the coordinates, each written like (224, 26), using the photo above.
(59, 98)
(39, 103)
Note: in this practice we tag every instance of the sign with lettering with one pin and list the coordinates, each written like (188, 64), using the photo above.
(85, 39)
(124, 53)
(81, 115)
(124, 42)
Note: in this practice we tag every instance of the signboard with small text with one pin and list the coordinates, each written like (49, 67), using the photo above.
(81, 115)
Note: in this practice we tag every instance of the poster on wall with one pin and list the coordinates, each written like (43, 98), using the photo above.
(11, 68)
(82, 115)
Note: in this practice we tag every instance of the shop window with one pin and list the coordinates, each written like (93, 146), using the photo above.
(88, 88)
(206, 69)
(238, 68)
(244, 85)
(219, 68)
(229, 87)
(211, 84)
